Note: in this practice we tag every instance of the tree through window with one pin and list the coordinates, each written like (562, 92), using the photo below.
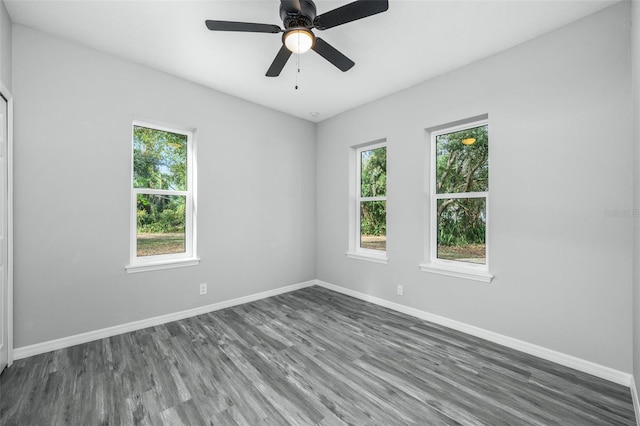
(460, 191)
(162, 194)
(373, 198)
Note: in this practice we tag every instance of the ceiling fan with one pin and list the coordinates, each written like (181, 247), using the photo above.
(299, 18)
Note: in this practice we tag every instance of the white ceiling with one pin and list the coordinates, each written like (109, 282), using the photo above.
(413, 41)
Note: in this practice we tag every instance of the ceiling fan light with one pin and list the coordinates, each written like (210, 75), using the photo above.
(299, 40)
(469, 141)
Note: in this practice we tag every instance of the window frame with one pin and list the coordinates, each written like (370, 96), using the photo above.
(171, 260)
(356, 251)
(477, 272)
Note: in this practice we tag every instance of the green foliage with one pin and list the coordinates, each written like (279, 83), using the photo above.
(373, 218)
(161, 213)
(373, 176)
(462, 222)
(373, 183)
(159, 162)
(462, 168)
(159, 159)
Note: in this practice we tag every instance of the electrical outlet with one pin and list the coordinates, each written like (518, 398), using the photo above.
(203, 289)
(400, 290)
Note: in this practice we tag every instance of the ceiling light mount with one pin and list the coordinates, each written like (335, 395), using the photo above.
(297, 13)
(299, 39)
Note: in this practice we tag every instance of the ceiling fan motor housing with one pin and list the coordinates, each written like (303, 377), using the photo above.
(302, 18)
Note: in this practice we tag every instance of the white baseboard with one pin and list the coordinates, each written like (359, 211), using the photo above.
(579, 364)
(65, 342)
(589, 367)
(636, 400)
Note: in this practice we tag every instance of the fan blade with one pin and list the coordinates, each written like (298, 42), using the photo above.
(291, 6)
(350, 12)
(332, 55)
(279, 62)
(246, 27)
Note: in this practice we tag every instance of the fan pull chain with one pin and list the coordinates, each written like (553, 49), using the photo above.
(298, 69)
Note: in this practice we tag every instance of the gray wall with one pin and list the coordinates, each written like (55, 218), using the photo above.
(5, 46)
(635, 56)
(73, 112)
(560, 156)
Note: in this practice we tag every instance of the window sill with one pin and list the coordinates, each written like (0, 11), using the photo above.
(468, 273)
(159, 265)
(369, 257)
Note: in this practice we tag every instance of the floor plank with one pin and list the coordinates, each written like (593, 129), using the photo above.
(308, 357)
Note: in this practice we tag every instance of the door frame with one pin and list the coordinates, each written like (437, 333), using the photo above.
(5, 93)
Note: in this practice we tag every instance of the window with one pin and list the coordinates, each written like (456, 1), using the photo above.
(459, 200)
(369, 223)
(162, 198)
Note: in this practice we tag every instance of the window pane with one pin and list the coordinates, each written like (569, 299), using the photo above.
(159, 159)
(161, 224)
(373, 173)
(462, 161)
(461, 229)
(373, 225)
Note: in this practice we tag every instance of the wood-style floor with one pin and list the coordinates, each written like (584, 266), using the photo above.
(307, 357)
